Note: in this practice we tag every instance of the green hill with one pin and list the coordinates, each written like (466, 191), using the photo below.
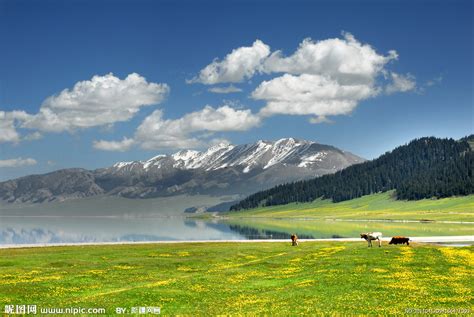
(382, 206)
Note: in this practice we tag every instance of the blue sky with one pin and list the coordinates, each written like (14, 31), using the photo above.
(365, 99)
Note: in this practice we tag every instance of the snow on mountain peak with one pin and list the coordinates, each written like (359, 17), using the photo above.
(262, 154)
(292, 142)
(284, 148)
(122, 164)
(154, 158)
(185, 155)
(307, 160)
(218, 146)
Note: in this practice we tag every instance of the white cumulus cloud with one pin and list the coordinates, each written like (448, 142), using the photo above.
(17, 162)
(240, 64)
(310, 95)
(193, 130)
(322, 78)
(346, 60)
(9, 121)
(119, 146)
(103, 100)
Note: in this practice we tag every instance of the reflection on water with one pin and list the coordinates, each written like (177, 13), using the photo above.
(38, 235)
(40, 230)
(324, 229)
(43, 230)
(254, 233)
(110, 219)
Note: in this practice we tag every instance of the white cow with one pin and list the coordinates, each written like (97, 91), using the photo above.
(369, 236)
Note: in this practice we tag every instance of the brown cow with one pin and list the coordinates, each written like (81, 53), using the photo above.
(294, 240)
(399, 240)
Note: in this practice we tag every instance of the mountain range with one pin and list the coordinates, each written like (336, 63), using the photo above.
(224, 169)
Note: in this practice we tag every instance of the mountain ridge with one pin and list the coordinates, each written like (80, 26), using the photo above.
(220, 155)
(223, 169)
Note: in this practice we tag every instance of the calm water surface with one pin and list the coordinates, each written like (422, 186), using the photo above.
(56, 229)
(112, 219)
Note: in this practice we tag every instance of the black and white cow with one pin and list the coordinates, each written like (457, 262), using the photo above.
(369, 236)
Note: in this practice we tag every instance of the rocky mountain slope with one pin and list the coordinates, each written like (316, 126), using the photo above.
(223, 169)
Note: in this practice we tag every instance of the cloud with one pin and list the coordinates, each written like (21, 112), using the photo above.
(119, 146)
(310, 95)
(346, 60)
(155, 132)
(33, 136)
(321, 78)
(242, 63)
(194, 129)
(219, 142)
(400, 83)
(320, 119)
(325, 78)
(17, 162)
(103, 100)
(9, 121)
(225, 90)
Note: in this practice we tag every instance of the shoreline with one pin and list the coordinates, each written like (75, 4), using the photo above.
(226, 218)
(429, 239)
(343, 220)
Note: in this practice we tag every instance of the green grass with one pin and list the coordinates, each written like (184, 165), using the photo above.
(377, 206)
(241, 278)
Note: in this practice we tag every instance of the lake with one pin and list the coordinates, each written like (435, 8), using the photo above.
(43, 229)
(107, 219)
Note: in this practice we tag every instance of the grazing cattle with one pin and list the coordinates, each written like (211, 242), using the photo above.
(369, 236)
(294, 240)
(399, 240)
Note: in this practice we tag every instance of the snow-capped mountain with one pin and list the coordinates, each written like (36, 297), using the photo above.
(223, 169)
(247, 157)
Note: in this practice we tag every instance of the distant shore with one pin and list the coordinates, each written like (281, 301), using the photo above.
(431, 239)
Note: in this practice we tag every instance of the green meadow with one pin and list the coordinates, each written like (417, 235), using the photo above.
(242, 278)
(382, 206)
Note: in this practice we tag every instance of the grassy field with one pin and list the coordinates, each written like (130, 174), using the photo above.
(376, 206)
(241, 278)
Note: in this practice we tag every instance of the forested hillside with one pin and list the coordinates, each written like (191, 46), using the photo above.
(424, 168)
